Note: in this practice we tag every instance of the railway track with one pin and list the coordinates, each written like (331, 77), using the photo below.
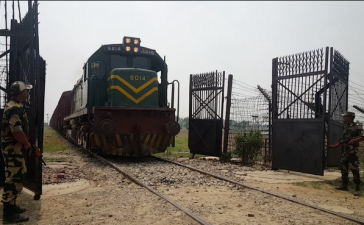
(194, 216)
(137, 181)
(350, 218)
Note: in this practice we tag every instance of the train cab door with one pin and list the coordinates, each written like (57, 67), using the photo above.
(85, 85)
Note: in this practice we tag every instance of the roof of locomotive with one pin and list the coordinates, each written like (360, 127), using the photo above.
(157, 62)
(120, 49)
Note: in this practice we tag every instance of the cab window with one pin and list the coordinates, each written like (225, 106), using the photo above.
(85, 72)
(141, 63)
(118, 61)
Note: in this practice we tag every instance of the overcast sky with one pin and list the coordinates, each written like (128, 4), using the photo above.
(240, 38)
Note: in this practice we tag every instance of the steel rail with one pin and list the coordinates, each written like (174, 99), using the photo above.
(196, 218)
(359, 221)
(137, 181)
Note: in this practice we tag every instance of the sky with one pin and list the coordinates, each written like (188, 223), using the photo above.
(240, 38)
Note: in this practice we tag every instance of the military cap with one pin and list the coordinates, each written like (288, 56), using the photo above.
(18, 86)
(349, 114)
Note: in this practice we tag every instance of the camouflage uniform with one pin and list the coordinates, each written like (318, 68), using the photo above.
(14, 120)
(349, 157)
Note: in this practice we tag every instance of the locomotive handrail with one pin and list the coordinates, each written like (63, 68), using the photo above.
(172, 100)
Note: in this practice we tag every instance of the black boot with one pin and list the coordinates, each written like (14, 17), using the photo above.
(342, 188)
(357, 190)
(17, 209)
(344, 185)
(10, 216)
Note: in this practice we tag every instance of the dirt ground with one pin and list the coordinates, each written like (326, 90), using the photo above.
(84, 191)
(322, 195)
(103, 196)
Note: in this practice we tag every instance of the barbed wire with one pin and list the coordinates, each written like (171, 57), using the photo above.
(249, 111)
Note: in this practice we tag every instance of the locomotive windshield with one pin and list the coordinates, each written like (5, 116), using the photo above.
(141, 63)
(118, 61)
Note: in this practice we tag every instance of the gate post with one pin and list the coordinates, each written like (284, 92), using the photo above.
(269, 99)
(227, 116)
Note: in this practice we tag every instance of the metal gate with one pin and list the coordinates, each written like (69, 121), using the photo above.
(26, 65)
(308, 103)
(206, 113)
(298, 121)
(338, 103)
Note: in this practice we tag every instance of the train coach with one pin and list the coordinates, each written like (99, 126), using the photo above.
(119, 106)
(62, 110)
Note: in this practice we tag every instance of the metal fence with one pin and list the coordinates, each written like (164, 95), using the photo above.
(250, 111)
(206, 113)
(20, 60)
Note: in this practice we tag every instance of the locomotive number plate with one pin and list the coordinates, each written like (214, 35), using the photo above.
(136, 77)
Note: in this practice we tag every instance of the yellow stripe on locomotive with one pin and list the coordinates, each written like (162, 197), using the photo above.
(133, 88)
(152, 143)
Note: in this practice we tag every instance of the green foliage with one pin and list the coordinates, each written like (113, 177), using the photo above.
(184, 122)
(248, 146)
(225, 156)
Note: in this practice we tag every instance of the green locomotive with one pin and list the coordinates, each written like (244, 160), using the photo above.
(119, 106)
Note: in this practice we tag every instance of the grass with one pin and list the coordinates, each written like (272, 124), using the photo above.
(55, 159)
(52, 142)
(181, 147)
(314, 184)
(324, 185)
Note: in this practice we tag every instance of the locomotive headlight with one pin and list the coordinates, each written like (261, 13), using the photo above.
(127, 48)
(128, 41)
(173, 128)
(106, 127)
(136, 49)
(136, 41)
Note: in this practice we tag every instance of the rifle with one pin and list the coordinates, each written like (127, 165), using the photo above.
(37, 152)
(344, 141)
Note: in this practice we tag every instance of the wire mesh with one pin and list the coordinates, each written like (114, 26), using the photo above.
(250, 111)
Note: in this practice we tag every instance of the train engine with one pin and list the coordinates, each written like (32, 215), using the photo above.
(119, 106)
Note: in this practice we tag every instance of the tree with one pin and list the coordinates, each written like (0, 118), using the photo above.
(184, 122)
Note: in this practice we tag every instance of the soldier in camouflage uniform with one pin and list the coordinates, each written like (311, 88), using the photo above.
(349, 150)
(14, 145)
